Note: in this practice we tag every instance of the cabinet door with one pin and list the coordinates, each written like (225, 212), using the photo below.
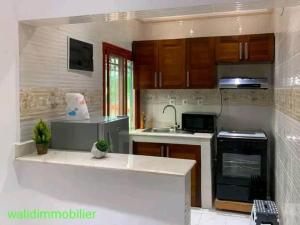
(200, 63)
(145, 60)
(260, 48)
(172, 63)
(189, 152)
(229, 49)
(150, 149)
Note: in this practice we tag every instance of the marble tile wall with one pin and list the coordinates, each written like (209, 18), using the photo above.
(287, 114)
(39, 102)
(44, 77)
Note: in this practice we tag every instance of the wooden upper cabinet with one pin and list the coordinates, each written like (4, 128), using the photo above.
(190, 63)
(145, 57)
(201, 67)
(260, 48)
(172, 63)
(229, 49)
(245, 49)
(189, 152)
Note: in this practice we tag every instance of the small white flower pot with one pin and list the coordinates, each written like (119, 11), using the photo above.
(97, 153)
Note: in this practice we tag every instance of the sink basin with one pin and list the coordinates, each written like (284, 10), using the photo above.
(165, 130)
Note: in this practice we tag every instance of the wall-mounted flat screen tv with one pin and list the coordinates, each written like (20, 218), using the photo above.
(80, 55)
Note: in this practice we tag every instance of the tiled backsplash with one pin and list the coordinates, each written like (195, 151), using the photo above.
(208, 97)
(200, 100)
(41, 102)
(287, 114)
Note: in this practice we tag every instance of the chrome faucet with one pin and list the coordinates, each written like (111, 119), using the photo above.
(172, 106)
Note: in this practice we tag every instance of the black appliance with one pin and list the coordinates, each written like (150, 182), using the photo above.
(199, 122)
(80, 55)
(241, 166)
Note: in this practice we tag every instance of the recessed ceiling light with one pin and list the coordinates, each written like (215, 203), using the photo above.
(118, 16)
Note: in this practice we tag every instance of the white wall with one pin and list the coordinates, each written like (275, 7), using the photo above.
(287, 114)
(44, 77)
(9, 86)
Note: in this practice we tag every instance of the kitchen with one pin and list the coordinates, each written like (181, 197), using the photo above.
(198, 84)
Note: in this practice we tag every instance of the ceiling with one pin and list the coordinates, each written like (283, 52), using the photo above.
(231, 8)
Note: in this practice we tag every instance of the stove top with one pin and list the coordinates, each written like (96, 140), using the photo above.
(243, 134)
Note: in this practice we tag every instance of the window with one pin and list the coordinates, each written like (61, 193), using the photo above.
(118, 92)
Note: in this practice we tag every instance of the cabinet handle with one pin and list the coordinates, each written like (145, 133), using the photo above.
(162, 151)
(188, 79)
(160, 79)
(246, 50)
(241, 50)
(168, 151)
(155, 79)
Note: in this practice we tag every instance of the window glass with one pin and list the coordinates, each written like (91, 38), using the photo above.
(119, 92)
(130, 94)
(114, 86)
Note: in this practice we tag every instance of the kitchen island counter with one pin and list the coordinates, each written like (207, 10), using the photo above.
(114, 161)
(121, 188)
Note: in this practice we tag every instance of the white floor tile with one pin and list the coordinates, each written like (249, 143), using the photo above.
(195, 216)
(235, 220)
(212, 217)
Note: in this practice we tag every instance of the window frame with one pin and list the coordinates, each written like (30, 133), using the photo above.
(110, 49)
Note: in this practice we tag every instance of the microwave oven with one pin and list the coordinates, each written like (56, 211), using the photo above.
(199, 122)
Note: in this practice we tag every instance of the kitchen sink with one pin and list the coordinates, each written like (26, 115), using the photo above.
(166, 130)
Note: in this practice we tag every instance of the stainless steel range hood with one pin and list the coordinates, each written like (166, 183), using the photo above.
(243, 83)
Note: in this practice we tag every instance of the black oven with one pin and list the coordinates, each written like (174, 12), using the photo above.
(199, 122)
(241, 166)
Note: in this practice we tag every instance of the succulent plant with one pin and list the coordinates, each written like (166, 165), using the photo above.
(102, 145)
(41, 133)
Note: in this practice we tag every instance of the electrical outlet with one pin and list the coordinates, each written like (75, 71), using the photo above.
(172, 101)
(184, 102)
(199, 101)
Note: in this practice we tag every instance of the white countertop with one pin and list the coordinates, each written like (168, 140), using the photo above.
(122, 162)
(139, 132)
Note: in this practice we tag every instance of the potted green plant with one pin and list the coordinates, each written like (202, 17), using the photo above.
(42, 137)
(100, 148)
